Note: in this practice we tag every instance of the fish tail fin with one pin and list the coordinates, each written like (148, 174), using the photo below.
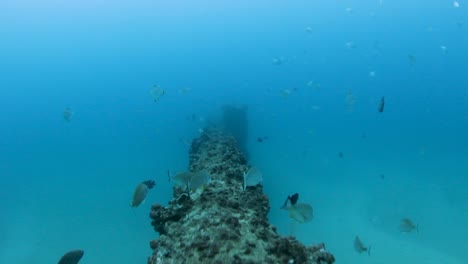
(368, 250)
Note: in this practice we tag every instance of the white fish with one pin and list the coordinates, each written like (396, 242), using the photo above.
(198, 180)
(456, 4)
(157, 92)
(300, 212)
(182, 179)
(286, 93)
(359, 246)
(191, 180)
(253, 177)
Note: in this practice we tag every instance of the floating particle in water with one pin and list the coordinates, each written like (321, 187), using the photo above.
(285, 93)
(456, 4)
(340, 155)
(278, 60)
(412, 59)
(349, 10)
(372, 74)
(308, 29)
(67, 114)
(443, 49)
(350, 45)
(350, 101)
(184, 90)
(313, 84)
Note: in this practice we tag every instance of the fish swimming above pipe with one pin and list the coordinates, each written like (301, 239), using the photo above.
(359, 246)
(301, 212)
(382, 104)
(291, 198)
(141, 191)
(71, 257)
(191, 181)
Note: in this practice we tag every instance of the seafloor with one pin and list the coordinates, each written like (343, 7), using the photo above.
(222, 223)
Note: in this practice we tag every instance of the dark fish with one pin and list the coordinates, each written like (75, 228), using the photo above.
(149, 183)
(382, 105)
(72, 257)
(341, 155)
(67, 114)
(407, 226)
(382, 176)
(139, 195)
(259, 140)
(292, 199)
(359, 246)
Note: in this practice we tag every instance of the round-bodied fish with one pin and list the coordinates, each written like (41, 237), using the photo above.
(141, 191)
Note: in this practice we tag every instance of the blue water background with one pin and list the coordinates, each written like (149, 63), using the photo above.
(68, 185)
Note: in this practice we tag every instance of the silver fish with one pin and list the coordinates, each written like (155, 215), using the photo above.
(301, 212)
(359, 246)
(139, 195)
(71, 257)
(407, 226)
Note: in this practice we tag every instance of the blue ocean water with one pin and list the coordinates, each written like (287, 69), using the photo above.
(312, 74)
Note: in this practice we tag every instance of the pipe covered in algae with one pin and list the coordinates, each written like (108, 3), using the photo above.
(220, 222)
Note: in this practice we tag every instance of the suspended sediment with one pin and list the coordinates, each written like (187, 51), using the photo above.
(222, 223)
